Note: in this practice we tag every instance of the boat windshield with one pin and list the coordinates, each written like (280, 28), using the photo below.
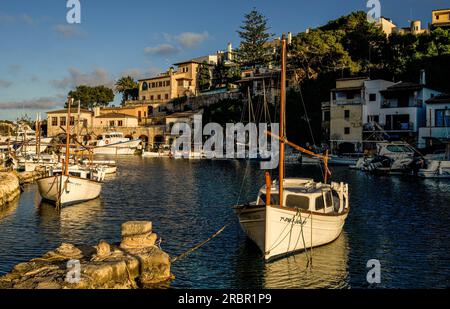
(398, 148)
(297, 201)
(274, 199)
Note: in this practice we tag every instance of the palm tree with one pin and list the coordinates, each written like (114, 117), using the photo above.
(127, 86)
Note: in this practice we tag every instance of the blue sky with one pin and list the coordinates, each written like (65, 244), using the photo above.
(42, 57)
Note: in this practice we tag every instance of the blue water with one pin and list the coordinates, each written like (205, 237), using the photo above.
(403, 222)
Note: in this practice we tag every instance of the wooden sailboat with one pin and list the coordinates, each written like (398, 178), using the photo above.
(291, 215)
(70, 185)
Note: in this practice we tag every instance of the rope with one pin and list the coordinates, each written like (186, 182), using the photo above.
(183, 255)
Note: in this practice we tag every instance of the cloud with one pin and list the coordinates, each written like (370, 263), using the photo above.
(76, 78)
(14, 68)
(139, 74)
(4, 83)
(191, 39)
(22, 18)
(39, 103)
(162, 50)
(69, 31)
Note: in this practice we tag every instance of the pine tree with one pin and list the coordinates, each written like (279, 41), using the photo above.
(204, 77)
(253, 50)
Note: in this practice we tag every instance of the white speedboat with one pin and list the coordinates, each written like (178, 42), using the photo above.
(291, 215)
(114, 143)
(78, 186)
(162, 151)
(436, 167)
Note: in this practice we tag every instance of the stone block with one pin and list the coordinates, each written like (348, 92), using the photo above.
(139, 241)
(131, 228)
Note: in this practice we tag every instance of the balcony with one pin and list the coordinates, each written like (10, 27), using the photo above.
(355, 101)
(393, 103)
(397, 127)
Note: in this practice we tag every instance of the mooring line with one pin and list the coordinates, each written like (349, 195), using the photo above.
(183, 255)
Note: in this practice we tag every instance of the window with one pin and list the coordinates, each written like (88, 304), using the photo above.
(326, 116)
(120, 123)
(297, 201)
(72, 120)
(167, 83)
(144, 86)
(85, 123)
(347, 131)
(372, 97)
(166, 96)
(111, 123)
(151, 98)
(54, 121)
(329, 198)
(153, 85)
(319, 203)
(143, 98)
(180, 83)
(350, 96)
(442, 118)
(159, 97)
(346, 113)
(62, 121)
(274, 199)
(160, 84)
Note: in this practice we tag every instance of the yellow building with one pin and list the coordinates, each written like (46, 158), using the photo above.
(158, 91)
(386, 25)
(346, 108)
(440, 18)
(115, 120)
(57, 121)
(142, 112)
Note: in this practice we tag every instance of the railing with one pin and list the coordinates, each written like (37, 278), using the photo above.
(372, 127)
(394, 104)
(356, 101)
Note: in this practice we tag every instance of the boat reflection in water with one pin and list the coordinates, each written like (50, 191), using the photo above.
(329, 268)
(72, 223)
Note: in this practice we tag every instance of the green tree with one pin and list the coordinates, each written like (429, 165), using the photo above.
(128, 87)
(318, 52)
(253, 50)
(204, 77)
(90, 97)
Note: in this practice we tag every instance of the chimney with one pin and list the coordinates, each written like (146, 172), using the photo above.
(423, 80)
(289, 38)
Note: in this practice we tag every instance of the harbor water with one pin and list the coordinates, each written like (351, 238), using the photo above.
(402, 222)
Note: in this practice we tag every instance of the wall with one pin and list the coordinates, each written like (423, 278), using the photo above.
(338, 123)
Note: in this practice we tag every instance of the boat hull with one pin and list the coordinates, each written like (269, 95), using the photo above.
(68, 190)
(436, 169)
(287, 231)
(125, 148)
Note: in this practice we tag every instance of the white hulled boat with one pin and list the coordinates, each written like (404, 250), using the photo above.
(114, 143)
(70, 184)
(437, 167)
(292, 215)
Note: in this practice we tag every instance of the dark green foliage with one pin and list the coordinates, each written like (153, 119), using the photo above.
(128, 87)
(90, 97)
(253, 51)
(204, 77)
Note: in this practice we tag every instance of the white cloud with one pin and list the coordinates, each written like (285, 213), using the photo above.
(191, 39)
(69, 31)
(162, 50)
(76, 78)
(39, 103)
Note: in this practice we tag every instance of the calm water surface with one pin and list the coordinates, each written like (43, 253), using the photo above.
(402, 222)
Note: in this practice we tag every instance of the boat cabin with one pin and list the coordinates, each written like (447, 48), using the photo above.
(307, 195)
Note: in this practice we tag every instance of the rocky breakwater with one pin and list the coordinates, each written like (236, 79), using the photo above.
(9, 188)
(136, 262)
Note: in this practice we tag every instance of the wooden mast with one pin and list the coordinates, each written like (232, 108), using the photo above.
(66, 168)
(282, 116)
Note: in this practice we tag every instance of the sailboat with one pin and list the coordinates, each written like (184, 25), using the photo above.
(70, 185)
(294, 214)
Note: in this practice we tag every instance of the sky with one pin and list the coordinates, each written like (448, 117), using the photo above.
(43, 57)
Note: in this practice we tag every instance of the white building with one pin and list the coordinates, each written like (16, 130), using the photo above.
(403, 110)
(437, 119)
(373, 100)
